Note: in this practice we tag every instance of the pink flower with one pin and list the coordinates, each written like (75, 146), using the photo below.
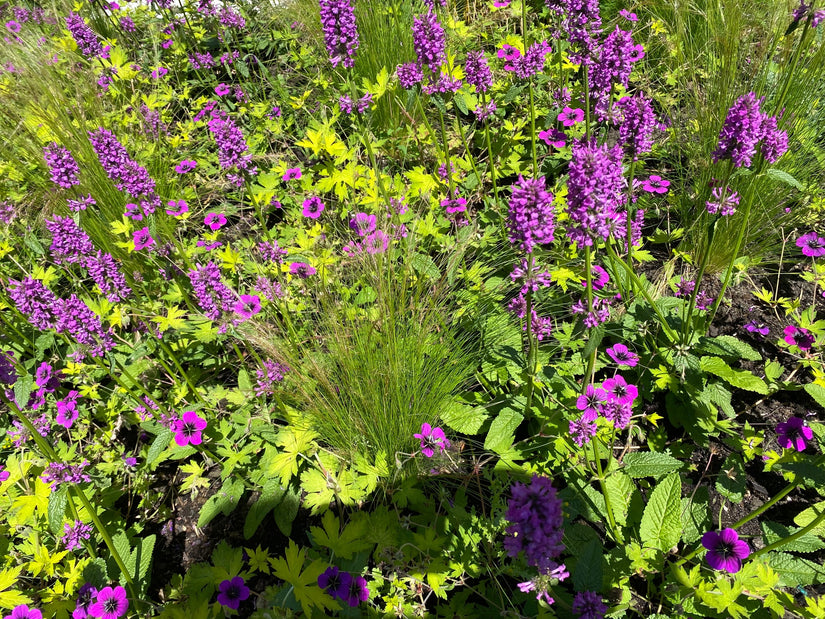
(221, 90)
(248, 305)
(313, 207)
(292, 174)
(432, 439)
(110, 603)
(187, 165)
(159, 72)
(67, 410)
(655, 184)
(798, 336)
(4, 475)
(188, 429)
(215, 221)
(553, 137)
(181, 205)
(570, 116)
(622, 356)
(142, 239)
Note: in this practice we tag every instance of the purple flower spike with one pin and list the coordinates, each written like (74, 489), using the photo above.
(431, 439)
(812, 245)
(188, 429)
(63, 167)
(725, 550)
(110, 603)
(531, 217)
(232, 592)
(793, 434)
(589, 605)
(536, 516)
(335, 583)
(340, 31)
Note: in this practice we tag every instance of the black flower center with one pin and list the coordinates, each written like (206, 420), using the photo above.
(233, 592)
(110, 605)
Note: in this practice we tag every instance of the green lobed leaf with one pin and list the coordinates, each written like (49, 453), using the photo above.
(737, 378)
(223, 501)
(661, 525)
(813, 476)
(650, 464)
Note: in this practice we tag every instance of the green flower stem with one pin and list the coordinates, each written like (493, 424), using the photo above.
(588, 268)
(47, 450)
(446, 153)
(586, 104)
(786, 540)
(256, 204)
(531, 345)
(629, 230)
(180, 369)
(490, 149)
(611, 519)
(533, 129)
(703, 264)
(467, 149)
(638, 285)
(795, 62)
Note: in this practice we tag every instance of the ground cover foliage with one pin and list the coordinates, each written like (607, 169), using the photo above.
(401, 308)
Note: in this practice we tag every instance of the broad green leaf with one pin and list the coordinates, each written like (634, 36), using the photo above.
(159, 445)
(817, 392)
(661, 526)
(463, 418)
(774, 531)
(304, 583)
(737, 378)
(223, 501)
(425, 265)
(620, 490)
(271, 495)
(807, 516)
(728, 346)
(784, 177)
(695, 516)
(287, 510)
(795, 571)
(57, 507)
(588, 573)
(503, 430)
(650, 464)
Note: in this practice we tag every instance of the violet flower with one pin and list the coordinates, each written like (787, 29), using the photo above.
(793, 434)
(535, 513)
(232, 592)
(812, 245)
(432, 439)
(725, 550)
(340, 31)
(589, 605)
(335, 583)
(110, 603)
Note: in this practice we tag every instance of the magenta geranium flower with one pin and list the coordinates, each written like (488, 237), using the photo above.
(248, 305)
(655, 184)
(570, 116)
(799, 336)
(589, 403)
(301, 269)
(4, 475)
(335, 582)
(24, 612)
(622, 356)
(67, 410)
(232, 592)
(215, 221)
(110, 603)
(14, 27)
(431, 439)
(292, 174)
(619, 391)
(188, 429)
(757, 327)
(793, 434)
(508, 52)
(177, 208)
(313, 207)
(221, 90)
(85, 598)
(159, 73)
(553, 137)
(185, 166)
(725, 550)
(142, 239)
(811, 244)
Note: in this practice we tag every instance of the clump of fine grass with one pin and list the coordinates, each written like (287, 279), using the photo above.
(374, 376)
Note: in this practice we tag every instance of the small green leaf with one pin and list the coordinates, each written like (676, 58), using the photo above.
(661, 525)
(271, 496)
(57, 507)
(620, 490)
(728, 346)
(159, 445)
(795, 571)
(503, 430)
(424, 265)
(817, 392)
(737, 378)
(22, 390)
(223, 501)
(650, 464)
(784, 177)
(463, 418)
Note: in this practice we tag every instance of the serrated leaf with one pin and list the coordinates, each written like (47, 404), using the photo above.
(464, 418)
(728, 346)
(460, 103)
(732, 481)
(620, 490)
(57, 507)
(807, 516)
(812, 475)
(22, 390)
(588, 572)
(817, 392)
(650, 464)
(794, 571)
(503, 430)
(271, 495)
(244, 383)
(139, 561)
(737, 378)
(303, 582)
(774, 531)
(425, 265)
(223, 501)
(784, 177)
(159, 445)
(695, 516)
(661, 525)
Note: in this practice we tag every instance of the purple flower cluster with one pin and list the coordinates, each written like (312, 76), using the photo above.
(213, 296)
(531, 62)
(613, 401)
(613, 66)
(536, 516)
(75, 318)
(271, 373)
(638, 122)
(103, 269)
(127, 174)
(85, 37)
(429, 41)
(594, 190)
(63, 167)
(340, 32)
(74, 532)
(589, 605)
(343, 586)
(409, 74)
(531, 218)
(747, 127)
(723, 201)
(477, 71)
(580, 23)
(81, 204)
(231, 145)
(62, 473)
(70, 243)
(36, 302)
